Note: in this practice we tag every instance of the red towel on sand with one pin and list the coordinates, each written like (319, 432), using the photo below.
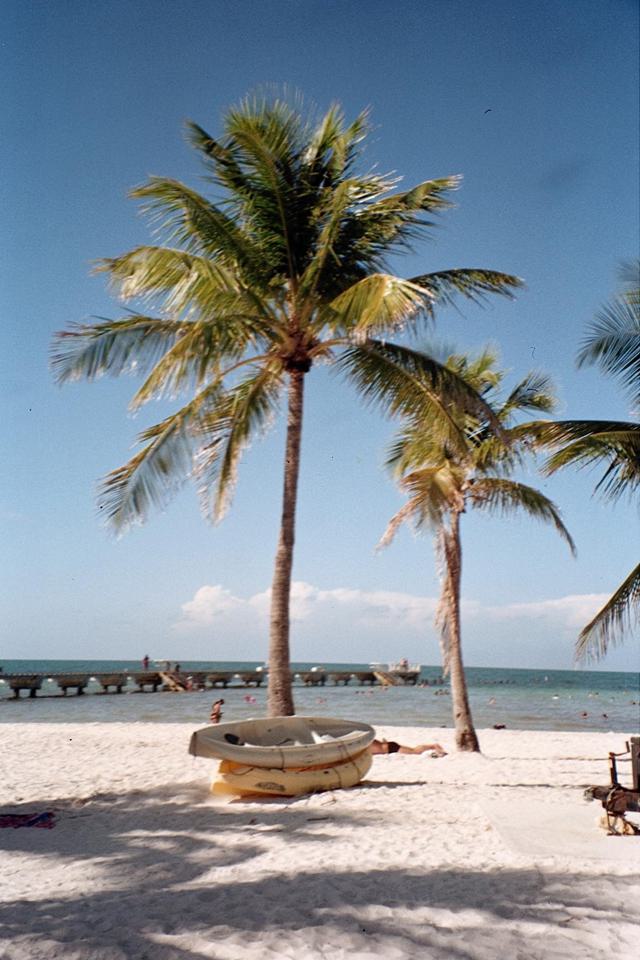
(44, 820)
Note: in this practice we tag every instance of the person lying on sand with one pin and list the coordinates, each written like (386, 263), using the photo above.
(390, 746)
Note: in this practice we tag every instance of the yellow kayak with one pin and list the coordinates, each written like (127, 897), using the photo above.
(243, 780)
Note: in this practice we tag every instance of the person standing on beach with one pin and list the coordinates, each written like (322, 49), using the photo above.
(145, 662)
(216, 712)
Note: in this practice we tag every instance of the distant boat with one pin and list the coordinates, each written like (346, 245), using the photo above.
(402, 666)
(395, 674)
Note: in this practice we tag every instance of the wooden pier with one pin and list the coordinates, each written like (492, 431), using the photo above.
(144, 680)
(171, 681)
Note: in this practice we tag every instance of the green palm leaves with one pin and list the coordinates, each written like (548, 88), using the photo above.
(460, 458)
(613, 341)
(614, 344)
(281, 268)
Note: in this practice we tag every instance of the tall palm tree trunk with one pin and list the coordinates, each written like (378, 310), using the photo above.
(280, 698)
(466, 738)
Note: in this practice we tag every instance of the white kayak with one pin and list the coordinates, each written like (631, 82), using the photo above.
(283, 742)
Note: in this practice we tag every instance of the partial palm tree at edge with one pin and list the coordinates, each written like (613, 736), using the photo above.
(613, 342)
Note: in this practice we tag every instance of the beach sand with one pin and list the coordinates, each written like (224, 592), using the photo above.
(469, 857)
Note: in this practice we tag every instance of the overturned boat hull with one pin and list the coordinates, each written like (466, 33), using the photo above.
(283, 743)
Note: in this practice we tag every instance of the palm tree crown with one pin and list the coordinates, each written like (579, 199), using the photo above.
(448, 465)
(464, 461)
(283, 267)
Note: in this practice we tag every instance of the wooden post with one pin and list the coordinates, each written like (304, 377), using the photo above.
(635, 763)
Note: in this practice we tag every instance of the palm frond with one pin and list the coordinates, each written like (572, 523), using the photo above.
(404, 515)
(333, 148)
(191, 286)
(338, 203)
(157, 471)
(614, 444)
(613, 343)
(471, 282)
(500, 495)
(408, 383)
(134, 344)
(424, 197)
(199, 226)
(220, 159)
(425, 441)
(480, 371)
(534, 392)
(630, 276)
(378, 303)
(610, 625)
(432, 491)
(496, 455)
(246, 410)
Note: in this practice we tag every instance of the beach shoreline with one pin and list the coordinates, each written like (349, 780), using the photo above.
(470, 856)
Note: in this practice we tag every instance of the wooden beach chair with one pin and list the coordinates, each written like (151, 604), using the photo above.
(617, 799)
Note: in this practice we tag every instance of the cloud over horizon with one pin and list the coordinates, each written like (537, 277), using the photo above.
(377, 619)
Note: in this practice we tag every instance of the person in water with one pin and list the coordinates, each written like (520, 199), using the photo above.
(216, 711)
(390, 746)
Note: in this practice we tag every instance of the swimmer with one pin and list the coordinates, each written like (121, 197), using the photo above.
(216, 712)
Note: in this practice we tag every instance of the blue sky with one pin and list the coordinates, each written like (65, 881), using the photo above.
(96, 96)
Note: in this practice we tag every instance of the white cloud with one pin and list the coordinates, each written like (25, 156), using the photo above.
(346, 611)
(346, 624)
(367, 606)
(208, 604)
(573, 611)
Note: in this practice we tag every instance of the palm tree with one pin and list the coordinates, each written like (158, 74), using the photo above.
(284, 268)
(444, 479)
(613, 342)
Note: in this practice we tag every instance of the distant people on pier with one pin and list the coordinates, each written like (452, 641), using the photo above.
(145, 662)
(216, 712)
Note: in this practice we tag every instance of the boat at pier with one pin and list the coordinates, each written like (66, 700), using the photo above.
(393, 674)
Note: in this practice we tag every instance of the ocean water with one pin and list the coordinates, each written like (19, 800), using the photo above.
(521, 699)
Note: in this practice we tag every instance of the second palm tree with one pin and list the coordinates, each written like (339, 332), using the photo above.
(449, 464)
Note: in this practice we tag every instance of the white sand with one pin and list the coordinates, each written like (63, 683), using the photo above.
(465, 858)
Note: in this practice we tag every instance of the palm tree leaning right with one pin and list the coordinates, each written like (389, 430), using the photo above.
(284, 269)
(443, 481)
(613, 343)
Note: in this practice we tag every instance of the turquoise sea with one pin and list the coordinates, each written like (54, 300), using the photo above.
(521, 699)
